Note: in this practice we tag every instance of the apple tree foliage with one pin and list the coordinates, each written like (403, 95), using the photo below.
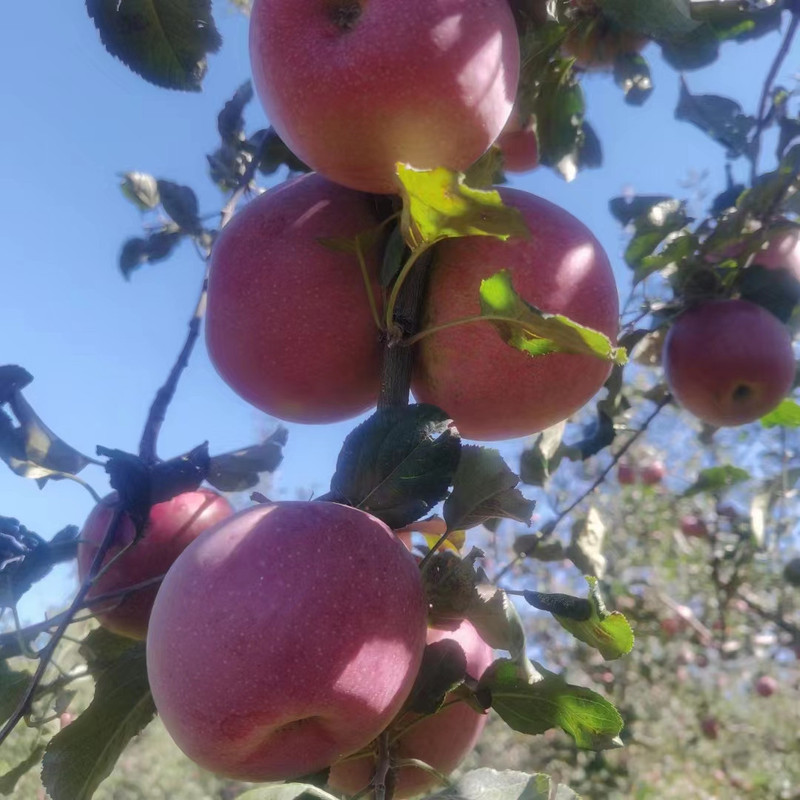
(407, 465)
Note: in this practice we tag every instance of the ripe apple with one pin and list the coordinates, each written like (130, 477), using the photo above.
(441, 740)
(728, 362)
(170, 528)
(465, 370)
(519, 145)
(766, 685)
(353, 87)
(653, 473)
(626, 474)
(710, 727)
(693, 526)
(288, 324)
(782, 251)
(285, 638)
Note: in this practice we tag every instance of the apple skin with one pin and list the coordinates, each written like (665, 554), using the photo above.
(560, 269)
(288, 324)
(728, 362)
(652, 474)
(285, 638)
(781, 252)
(710, 727)
(766, 685)
(441, 740)
(519, 146)
(626, 474)
(353, 87)
(171, 527)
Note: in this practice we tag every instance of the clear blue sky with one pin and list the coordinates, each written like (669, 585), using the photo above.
(73, 117)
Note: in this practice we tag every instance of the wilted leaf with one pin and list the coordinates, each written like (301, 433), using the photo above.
(444, 666)
(491, 784)
(398, 463)
(607, 631)
(534, 332)
(550, 702)
(242, 469)
(715, 479)
(164, 41)
(437, 204)
(484, 487)
(141, 189)
(83, 754)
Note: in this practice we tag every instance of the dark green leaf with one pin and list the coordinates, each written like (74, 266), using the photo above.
(102, 649)
(180, 203)
(716, 479)
(444, 666)
(695, 50)
(243, 469)
(164, 41)
(563, 605)
(484, 487)
(275, 153)
(449, 585)
(777, 290)
(538, 462)
(8, 781)
(12, 379)
(632, 75)
(626, 209)
(156, 247)
(398, 463)
(84, 753)
(659, 19)
(537, 706)
(230, 121)
(720, 117)
(13, 684)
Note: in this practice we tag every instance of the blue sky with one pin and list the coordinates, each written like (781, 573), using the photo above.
(100, 347)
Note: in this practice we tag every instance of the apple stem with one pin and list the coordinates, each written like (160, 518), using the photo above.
(403, 313)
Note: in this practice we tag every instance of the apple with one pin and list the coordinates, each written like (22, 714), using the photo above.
(519, 146)
(441, 740)
(170, 528)
(353, 87)
(782, 251)
(626, 474)
(693, 526)
(285, 638)
(653, 473)
(766, 685)
(465, 369)
(288, 324)
(728, 362)
(710, 727)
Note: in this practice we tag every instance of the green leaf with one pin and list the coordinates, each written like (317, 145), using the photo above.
(286, 791)
(444, 666)
(102, 649)
(607, 631)
(84, 753)
(719, 117)
(550, 702)
(652, 228)
(230, 121)
(576, 609)
(536, 333)
(180, 203)
(243, 469)
(398, 463)
(141, 189)
(437, 204)
(777, 290)
(715, 479)
(13, 684)
(484, 487)
(787, 414)
(491, 784)
(659, 19)
(164, 41)
(156, 247)
(9, 780)
(539, 462)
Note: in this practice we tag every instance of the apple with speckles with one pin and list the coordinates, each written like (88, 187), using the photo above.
(353, 87)
(285, 638)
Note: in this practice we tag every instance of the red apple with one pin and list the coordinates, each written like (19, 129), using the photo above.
(441, 740)
(492, 390)
(766, 685)
(353, 87)
(782, 251)
(519, 146)
(694, 527)
(285, 638)
(710, 727)
(652, 474)
(288, 324)
(626, 474)
(170, 528)
(728, 362)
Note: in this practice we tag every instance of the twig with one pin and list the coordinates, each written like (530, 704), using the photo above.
(770, 616)
(244, 184)
(553, 524)
(382, 792)
(763, 114)
(49, 649)
(158, 410)
(398, 360)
